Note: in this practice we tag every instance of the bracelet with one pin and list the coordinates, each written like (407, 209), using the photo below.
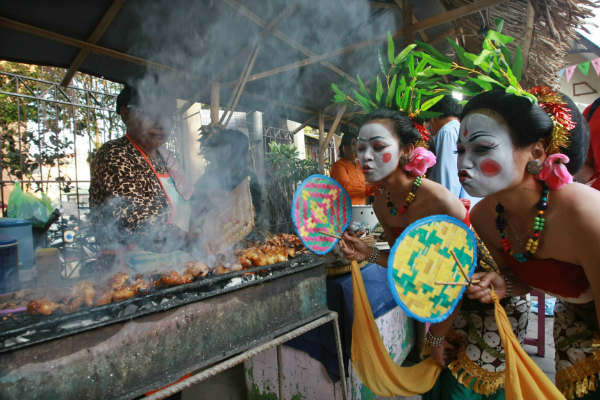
(372, 259)
(434, 341)
(509, 285)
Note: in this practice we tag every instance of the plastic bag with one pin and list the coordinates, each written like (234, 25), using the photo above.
(29, 207)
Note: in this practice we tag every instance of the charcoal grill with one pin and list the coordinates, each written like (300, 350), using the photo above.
(122, 350)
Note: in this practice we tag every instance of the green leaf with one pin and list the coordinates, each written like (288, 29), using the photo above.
(433, 61)
(379, 91)
(402, 84)
(512, 79)
(336, 89)
(361, 85)
(488, 78)
(487, 44)
(484, 56)
(402, 55)
(431, 102)
(399, 92)
(421, 66)
(462, 54)
(517, 64)
(411, 65)
(391, 91)
(339, 98)
(481, 83)
(433, 51)
(418, 99)
(390, 49)
(499, 24)
(498, 38)
(404, 102)
(365, 103)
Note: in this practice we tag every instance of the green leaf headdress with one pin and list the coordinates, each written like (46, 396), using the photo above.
(408, 81)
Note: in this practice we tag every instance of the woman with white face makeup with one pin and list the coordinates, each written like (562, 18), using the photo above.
(542, 230)
(391, 160)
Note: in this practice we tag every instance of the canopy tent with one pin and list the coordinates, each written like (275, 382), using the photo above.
(275, 56)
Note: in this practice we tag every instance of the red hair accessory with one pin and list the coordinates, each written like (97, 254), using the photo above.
(424, 132)
(554, 105)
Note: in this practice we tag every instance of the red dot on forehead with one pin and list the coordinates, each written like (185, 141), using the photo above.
(490, 167)
(387, 157)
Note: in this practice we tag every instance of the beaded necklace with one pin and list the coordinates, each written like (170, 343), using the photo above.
(410, 197)
(533, 242)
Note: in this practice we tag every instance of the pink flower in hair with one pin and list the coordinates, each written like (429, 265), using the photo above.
(420, 160)
(554, 171)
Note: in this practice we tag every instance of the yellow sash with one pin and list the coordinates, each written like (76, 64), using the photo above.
(524, 380)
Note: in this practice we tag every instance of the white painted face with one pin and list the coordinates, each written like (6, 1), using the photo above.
(378, 151)
(485, 154)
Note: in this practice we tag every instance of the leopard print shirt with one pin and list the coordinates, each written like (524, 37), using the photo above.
(127, 199)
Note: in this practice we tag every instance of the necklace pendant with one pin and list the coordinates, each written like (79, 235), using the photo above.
(393, 211)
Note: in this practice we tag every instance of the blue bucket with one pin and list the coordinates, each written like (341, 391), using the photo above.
(9, 271)
(21, 230)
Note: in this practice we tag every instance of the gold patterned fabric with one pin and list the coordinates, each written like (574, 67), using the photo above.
(576, 337)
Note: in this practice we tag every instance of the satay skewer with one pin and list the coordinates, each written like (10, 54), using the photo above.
(457, 283)
(330, 234)
(460, 267)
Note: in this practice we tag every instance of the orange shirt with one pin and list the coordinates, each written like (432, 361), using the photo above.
(350, 176)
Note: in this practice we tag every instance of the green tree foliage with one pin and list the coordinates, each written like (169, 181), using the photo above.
(284, 171)
(38, 135)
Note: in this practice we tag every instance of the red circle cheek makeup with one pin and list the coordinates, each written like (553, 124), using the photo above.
(490, 167)
(387, 157)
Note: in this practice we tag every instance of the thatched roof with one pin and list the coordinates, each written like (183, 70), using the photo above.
(544, 28)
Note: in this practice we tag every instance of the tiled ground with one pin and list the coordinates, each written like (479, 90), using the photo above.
(546, 363)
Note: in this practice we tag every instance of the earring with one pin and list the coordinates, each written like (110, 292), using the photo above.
(404, 159)
(533, 167)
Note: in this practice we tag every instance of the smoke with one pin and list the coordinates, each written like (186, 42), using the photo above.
(208, 41)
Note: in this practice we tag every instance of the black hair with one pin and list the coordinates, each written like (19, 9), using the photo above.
(347, 139)
(448, 106)
(403, 125)
(128, 96)
(528, 122)
(233, 137)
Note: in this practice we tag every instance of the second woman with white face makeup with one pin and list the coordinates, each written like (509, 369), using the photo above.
(542, 230)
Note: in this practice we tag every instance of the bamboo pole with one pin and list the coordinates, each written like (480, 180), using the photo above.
(242, 85)
(321, 139)
(528, 38)
(332, 129)
(215, 94)
(267, 29)
(57, 37)
(104, 23)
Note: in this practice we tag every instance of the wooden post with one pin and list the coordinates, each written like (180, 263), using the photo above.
(94, 37)
(407, 14)
(321, 140)
(528, 38)
(325, 144)
(215, 94)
